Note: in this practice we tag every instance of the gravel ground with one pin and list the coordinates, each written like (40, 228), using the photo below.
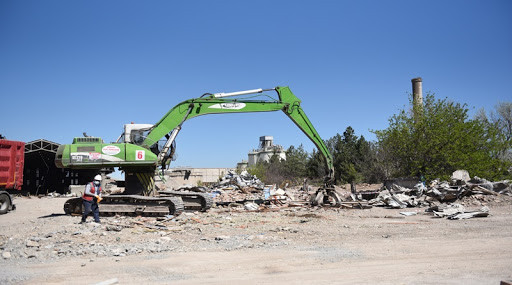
(39, 244)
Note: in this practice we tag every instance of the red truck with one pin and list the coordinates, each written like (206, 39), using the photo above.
(11, 171)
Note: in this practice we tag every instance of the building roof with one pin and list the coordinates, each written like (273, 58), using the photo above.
(41, 145)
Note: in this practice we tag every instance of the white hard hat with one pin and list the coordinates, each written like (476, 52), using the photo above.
(97, 177)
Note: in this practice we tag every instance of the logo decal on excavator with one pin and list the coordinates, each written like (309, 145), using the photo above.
(229, 106)
(111, 150)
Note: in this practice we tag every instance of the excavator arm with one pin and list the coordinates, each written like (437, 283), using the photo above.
(170, 124)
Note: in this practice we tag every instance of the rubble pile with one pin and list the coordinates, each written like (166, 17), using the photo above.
(245, 181)
(476, 191)
(247, 191)
(269, 195)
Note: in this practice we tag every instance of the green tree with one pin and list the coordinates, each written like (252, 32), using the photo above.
(277, 171)
(369, 164)
(438, 140)
(315, 167)
(295, 165)
(355, 159)
(260, 170)
(274, 173)
(501, 119)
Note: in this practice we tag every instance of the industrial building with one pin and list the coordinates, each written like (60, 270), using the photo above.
(41, 176)
(265, 151)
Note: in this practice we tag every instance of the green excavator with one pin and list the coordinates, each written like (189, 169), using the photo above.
(143, 148)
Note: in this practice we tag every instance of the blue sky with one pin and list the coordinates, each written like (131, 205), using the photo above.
(68, 67)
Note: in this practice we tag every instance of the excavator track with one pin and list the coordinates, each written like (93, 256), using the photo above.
(130, 205)
(193, 200)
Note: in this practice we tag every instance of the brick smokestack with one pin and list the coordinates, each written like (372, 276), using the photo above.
(417, 92)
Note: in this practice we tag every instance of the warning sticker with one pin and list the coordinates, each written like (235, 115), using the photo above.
(94, 156)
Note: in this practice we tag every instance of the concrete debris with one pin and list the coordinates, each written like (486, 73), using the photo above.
(108, 282)
(278, 192)
(439, 195)
(218, 238)
(398, 196)
(77, 190)
(53, 194)
(462, 175)
(469, 215)
(242, 181)
(248, 192)
(114, 228)
(394, 200)
(447, 210)
(481, 182)
(458, 212)
(250, 206)
(31, 243)
(251, 224)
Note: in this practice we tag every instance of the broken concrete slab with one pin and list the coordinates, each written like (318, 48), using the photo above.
(468, 215)
(250, 206)
(6, 255)
(460, 175)
(392, 200)
(448, 210)
(458, 212)
(78, 190)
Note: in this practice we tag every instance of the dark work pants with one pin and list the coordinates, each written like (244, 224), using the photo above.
(91, 206)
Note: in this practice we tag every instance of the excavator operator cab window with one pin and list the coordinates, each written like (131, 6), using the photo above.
(137, 137)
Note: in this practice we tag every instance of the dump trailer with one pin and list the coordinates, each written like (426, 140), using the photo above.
(142, 148)
(12, 158)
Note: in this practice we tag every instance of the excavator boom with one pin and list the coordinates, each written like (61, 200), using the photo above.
(216, 104)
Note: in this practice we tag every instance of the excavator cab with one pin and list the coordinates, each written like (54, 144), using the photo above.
(134, 133)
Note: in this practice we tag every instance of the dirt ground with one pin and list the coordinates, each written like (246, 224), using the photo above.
(40, 245)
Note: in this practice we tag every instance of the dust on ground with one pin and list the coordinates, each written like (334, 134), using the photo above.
(39, 244)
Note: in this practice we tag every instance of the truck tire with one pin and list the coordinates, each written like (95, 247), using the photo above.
(5, 203)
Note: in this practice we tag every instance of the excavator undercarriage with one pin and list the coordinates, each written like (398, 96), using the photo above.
(131, 205)
(167, 203)
(193, 201)
(139, 199)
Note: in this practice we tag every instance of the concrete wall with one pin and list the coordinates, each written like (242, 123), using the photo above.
(191, 176)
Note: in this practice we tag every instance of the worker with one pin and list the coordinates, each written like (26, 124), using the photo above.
(91, 198)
